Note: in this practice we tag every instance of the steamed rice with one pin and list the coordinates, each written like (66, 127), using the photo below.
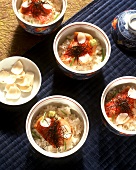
(73, 120)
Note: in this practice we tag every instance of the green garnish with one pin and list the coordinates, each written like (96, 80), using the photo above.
(103, 54)
(65, 146)
(93, 42)
(113, 117)
(56, 16)
(52, 113)
(34, 134)
(43, 116)
(63, 112)
(71, 63)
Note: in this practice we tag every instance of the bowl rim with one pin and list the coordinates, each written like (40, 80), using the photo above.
(39, 76)
(63, 154)
(120, 81)
(64, 2)
(80, 24)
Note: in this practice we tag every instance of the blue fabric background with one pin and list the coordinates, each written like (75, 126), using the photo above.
(103, 150)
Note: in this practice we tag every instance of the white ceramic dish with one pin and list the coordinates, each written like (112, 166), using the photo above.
(63, 100)
(92, 29)
(29, 65)
(35, 28)
(119, 81)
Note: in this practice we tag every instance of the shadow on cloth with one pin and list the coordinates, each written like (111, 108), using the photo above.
(13, 117)
(23, 41)
(41, 162)
(86, 92)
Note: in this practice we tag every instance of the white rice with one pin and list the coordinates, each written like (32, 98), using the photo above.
(72, 118)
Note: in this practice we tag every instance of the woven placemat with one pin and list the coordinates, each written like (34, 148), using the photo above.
(103, 150)
(13, 39)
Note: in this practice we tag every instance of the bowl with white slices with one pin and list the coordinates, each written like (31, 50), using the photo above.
(20, 80)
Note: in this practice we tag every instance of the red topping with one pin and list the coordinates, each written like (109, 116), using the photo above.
(75, 50)
(121, 103)
(37, 10)
(52, 134)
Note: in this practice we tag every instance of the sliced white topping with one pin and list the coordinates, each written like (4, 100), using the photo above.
(81, 38)
(25, 4)
(66, 128)
(46, 122)
(47, 6)
(84, 58)
(17, 68)
(66, 131)
(132, 93)
(122, 118)
(16, 80)
(13, 92)
(11, 79)
(4, 75)
(27, 80)
(21, 75)
(25, 88)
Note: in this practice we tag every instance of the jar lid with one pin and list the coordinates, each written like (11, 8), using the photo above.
(127, 24)
(132, 23)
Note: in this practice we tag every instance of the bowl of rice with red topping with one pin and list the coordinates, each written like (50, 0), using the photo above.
(118, 105)
(81, 49)
(57, 126)
(39, 17)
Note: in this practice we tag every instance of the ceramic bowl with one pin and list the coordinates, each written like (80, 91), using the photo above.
(35, 28)
(57, 100)
(92, 29)
(119, 82)
(123, 30)
(28, 66)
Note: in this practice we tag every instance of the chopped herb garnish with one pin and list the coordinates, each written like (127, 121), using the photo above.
(65, 146)
(44, 116)
(52, 114)
(93, 42)
(56, 16)
(71, 63)
(103, 54)
(63, 112)
(34, 134)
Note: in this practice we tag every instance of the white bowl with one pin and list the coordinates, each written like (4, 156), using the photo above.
(92, 29)
(125, 80)
(36, 29)
(29, 65)
(57, 99)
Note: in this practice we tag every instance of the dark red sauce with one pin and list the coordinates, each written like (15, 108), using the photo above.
(76, 50)
(52, 134)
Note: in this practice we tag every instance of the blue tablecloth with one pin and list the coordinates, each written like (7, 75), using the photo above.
(103, 150)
